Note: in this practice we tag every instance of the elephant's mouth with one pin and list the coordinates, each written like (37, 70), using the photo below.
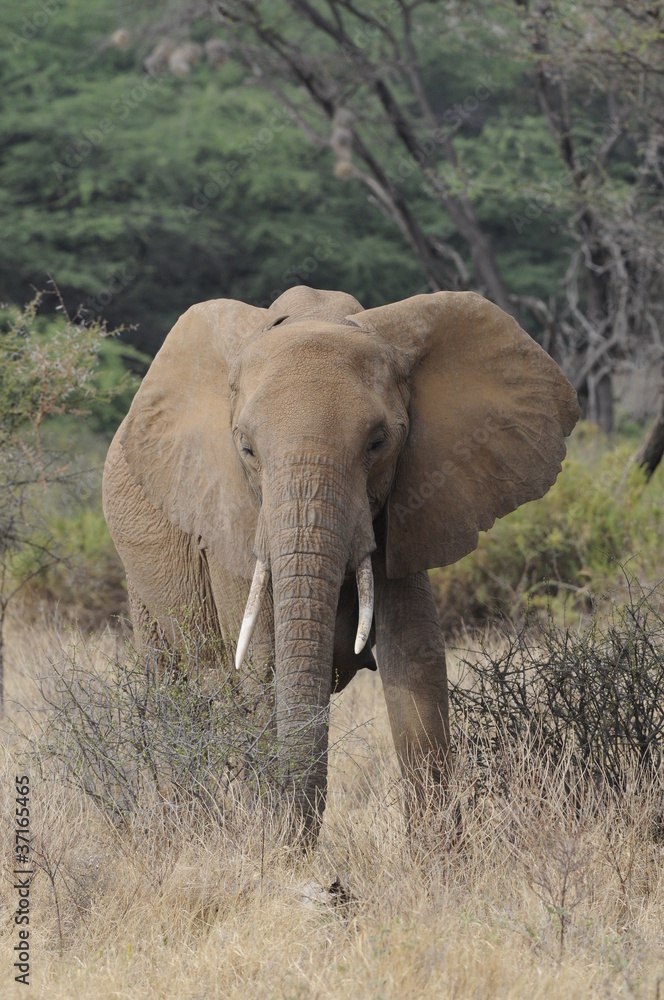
(261, 578)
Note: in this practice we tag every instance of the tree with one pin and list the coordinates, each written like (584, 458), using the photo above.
(364, 81)
(386, 148)
(47, 368)
(599, 76)
(360, 68)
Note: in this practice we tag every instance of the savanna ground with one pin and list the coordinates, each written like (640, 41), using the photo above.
(542, 889)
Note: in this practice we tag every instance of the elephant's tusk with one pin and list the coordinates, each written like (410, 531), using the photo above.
(365, 592)
(254, 601)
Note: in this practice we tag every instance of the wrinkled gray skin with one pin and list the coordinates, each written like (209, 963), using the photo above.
(311, 435)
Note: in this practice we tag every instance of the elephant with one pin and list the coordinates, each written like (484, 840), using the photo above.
(292, 472)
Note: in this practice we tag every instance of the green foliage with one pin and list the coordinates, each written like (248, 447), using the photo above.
(144, 193)
(45, 370)
(48, 369)
(86, 582)
(118, 365)
(566, 550)
(141, 194)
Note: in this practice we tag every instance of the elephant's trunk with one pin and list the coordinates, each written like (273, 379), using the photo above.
(308, 536)
(304, 612)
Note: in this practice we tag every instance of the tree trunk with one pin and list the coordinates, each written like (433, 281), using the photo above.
(649, 455)
(604, 396)
(2, 659)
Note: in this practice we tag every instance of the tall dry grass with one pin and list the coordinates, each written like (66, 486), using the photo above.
(541, 890)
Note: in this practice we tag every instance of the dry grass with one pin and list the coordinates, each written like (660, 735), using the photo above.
(537, 897)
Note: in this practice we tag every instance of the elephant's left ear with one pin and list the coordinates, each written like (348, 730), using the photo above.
(489, 411)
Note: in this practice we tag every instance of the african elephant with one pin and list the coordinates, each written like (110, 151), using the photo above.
(273, 457)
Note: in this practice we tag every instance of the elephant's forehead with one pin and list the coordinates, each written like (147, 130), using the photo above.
(317, 350)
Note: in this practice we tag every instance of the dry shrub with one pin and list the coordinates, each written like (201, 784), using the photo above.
(593, 696)
(174, 730)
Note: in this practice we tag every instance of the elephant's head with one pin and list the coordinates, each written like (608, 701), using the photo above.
(289, 439)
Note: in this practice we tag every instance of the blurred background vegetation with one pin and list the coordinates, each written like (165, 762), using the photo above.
(158, 155)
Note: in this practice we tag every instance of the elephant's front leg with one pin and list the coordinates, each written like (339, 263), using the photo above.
(411, 661)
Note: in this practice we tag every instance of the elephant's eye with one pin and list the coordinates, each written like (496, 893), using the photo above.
(244, 447)
(377, 443)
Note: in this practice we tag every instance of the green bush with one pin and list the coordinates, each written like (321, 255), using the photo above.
(49, 366)
(63, 387)
(69, 559)
(87, 581)
(118, 367)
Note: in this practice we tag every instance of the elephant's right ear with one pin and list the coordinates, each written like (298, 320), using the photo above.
(177, 436)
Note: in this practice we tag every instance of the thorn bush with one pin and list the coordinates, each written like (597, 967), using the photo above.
(594, 695)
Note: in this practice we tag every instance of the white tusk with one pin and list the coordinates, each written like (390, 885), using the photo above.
(365, 592)
(256, 594)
